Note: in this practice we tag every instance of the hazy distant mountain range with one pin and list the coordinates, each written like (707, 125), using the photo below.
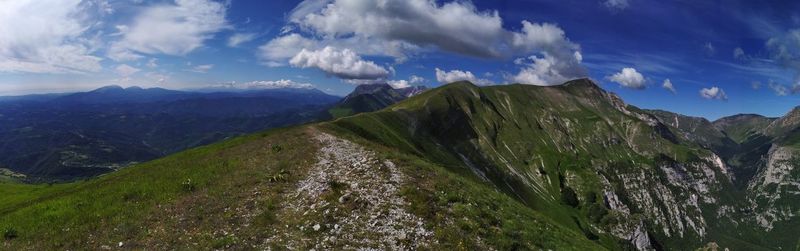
(76, 135)
(66, 136)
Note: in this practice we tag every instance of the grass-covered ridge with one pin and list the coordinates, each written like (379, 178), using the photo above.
(234, 195)
(562, 150)
(504, 167)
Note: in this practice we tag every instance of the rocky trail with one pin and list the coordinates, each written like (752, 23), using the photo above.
(351, 200)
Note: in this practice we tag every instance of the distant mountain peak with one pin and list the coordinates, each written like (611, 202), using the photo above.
(108, 88)
(371, 88)
(581, 82)
(412, 90)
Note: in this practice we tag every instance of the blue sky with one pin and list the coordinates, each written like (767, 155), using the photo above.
(721, 57)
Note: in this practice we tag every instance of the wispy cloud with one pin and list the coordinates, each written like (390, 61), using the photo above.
(202, 68)
(171, 29)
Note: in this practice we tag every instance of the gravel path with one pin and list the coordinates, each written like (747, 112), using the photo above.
(370, 213)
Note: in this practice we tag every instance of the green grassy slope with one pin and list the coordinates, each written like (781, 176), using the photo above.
(8, 176)
(700, 131)
(236, 194)
(743, 126)
(503, 167)
(558, 150)
(366, 98)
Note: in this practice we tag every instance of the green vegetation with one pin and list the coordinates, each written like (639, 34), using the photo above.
(512, 167)
(8, 176)
(142, 206)
(546, 146)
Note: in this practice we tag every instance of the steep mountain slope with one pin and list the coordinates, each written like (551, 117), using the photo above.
(574, 152)
(742, 126)
(699, 131)
(783, 125)
(372, 97)
(774, 187)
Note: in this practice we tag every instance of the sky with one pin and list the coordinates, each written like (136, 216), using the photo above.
(701, 58)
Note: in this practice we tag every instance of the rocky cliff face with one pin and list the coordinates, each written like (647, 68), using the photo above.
(573, 152)
(373, 97)
(775, 190)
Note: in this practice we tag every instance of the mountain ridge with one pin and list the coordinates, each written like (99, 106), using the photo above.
(504, 167)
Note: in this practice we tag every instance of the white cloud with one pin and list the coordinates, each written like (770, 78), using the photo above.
(202, 68)
(397, 84)
(785, 50)
(172, 29)
(616, 5)
(239, 38)
(668, 85)
(283, 83)
(344, 64)
(709, 49)
(48, 36)
(713, 93)
(152, 63)
(413, 80)
(779, 89)
(738, 53)
(560, 59)
(125, 70)
(399, 28)
(157, 78)
(548, 70)
(455, 26)
(284, 47)
(755, 85)
(629, 78)
(457, 75)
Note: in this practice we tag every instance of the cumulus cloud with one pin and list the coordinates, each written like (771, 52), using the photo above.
(344, 64)
(413, 80)
(397, 84)
(629, 78)
(48, 36)
(548, 70)
(240, 38)
(283, 48)
(446, 77)
(713, 93)
(202, 68)
(616, 5)
(172, 29)
(668, 85)
(410, 26)
(126, 70)
(456, 26)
